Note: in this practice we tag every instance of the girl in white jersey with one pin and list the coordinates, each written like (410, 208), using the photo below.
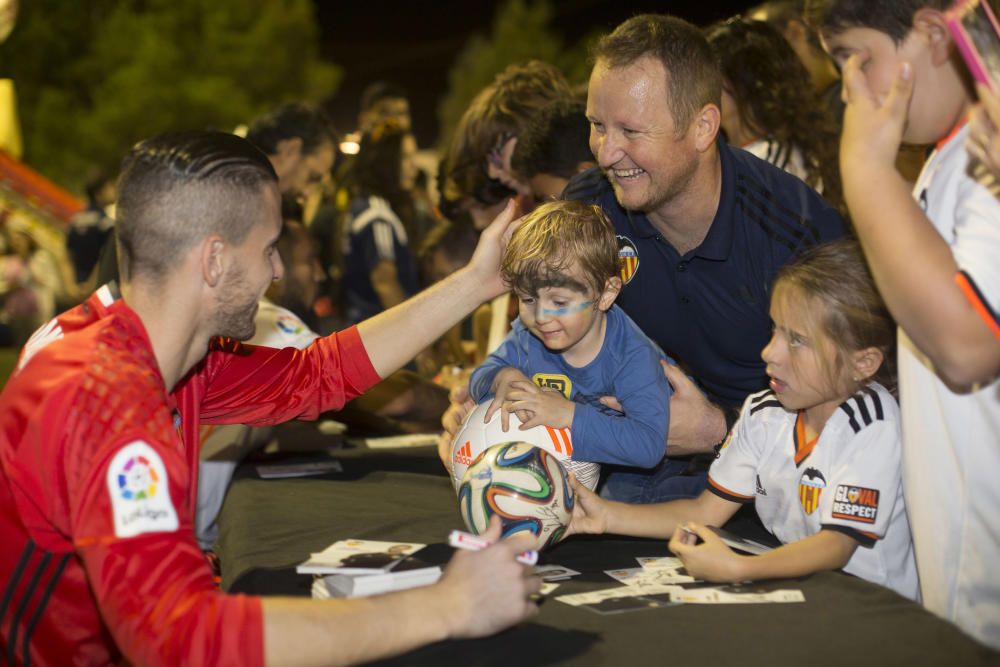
(818, 453)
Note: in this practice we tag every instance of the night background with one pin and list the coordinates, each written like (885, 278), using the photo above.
(415, 45)
(92, 77)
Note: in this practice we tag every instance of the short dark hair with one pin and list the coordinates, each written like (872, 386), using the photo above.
(377, 165)
(456, 238)
(377, 91)
(693, 78)
(892, 17)
(556, 142)
(177, 188)
(501, 110)
(289, 121)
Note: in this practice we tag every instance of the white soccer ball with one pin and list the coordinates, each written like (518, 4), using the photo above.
(476, 436)
(522, 484)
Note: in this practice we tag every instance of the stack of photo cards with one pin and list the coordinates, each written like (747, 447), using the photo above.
(356, 568)
(660, 582)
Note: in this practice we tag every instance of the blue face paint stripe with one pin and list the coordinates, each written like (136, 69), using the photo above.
(567, 310)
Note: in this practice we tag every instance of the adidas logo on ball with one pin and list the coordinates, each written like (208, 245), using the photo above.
(464, 455)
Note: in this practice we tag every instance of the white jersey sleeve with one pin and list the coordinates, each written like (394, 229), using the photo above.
(960, 199)
(733, 475)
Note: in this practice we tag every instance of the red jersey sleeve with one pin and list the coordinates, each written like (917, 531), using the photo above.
(255, 385)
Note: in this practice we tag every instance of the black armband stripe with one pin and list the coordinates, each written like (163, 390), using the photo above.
(864, 539)
(726, 494)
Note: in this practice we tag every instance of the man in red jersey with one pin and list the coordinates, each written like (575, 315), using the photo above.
(99, 433)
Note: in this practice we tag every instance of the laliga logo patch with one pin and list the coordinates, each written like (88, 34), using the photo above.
(811, 485)
(290, 325)
(560, 383)
(138, 479)
(855, 503)
(140, 495)
(628, 259)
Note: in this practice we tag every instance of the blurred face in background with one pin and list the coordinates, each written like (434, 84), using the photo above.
(297, 170)
(303, 272)
(408, 163)
(392, 109)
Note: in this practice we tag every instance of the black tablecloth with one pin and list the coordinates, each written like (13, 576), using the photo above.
(267, 527)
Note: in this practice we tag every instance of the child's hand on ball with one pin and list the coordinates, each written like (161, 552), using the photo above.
(590, 511)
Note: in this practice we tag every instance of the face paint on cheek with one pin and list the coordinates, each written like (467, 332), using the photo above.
(567, 310)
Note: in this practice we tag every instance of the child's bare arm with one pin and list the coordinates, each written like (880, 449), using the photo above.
(712, 560)
(593, 514)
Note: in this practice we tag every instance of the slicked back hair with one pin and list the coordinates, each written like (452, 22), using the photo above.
(175, 189)
(693, 78)
(892, 17)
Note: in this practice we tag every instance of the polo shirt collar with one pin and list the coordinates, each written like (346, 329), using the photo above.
(640, 224)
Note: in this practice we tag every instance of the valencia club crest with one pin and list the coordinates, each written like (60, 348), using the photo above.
(628, 259)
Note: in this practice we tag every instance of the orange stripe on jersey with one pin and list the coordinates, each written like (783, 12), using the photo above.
(955, 130)
(803, 447)
(727, 491)
(567, 442)
(556, 442)
(560, 440)
(972, 294)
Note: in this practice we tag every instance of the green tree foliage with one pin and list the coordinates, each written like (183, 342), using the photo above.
(520, 32)
(94, 76)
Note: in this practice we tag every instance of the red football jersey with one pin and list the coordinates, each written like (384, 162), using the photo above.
(98, 466)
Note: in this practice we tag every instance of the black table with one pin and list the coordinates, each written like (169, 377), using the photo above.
(267, 527)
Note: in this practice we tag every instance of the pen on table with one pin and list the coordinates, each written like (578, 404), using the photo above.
(470, 542)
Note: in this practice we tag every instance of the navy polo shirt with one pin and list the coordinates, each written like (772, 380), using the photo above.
(709, 307)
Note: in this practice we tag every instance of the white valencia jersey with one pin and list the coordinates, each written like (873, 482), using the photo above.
(951, 454)
(848, 480)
